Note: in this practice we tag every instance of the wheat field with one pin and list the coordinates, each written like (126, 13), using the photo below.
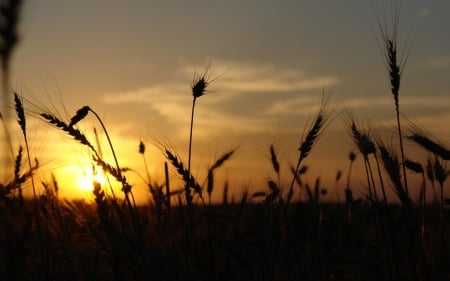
(375, 229)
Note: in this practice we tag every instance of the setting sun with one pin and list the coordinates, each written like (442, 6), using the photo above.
(88, 176)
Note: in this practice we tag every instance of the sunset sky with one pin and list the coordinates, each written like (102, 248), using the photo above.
(133, 62)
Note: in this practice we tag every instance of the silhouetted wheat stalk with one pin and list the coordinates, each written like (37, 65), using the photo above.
(187, 177)
(394, 66)
(71, 131)
(17, 166)
(217, 164)
(199, 88)
(126, 187)
(432, 146)
(366, 146)
(275, 162)
(321, 121)
(167, 185)
(392, 167)
(22, 123)
(115, 172)
(348, 190)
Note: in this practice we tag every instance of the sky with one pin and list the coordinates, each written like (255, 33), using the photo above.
(269, 61)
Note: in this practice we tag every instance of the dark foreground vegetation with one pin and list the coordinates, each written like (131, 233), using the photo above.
(242, 241)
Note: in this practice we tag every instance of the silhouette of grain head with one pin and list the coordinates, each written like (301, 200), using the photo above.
(70, 130)
(414, 166)
(185, 174)
(430, 145)
(79, 115)
(440, 173)
(20, 111)
(274, 160)
(393, 67)
(217, 164)
(388, 43)
(392, 167)
(199, 86)
(222, 159)
(362, 140)
(322, 119)
(141, 147)
(352, 156)
(201, 82)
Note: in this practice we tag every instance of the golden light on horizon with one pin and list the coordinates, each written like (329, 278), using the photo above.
(78, 180)
(92, 174)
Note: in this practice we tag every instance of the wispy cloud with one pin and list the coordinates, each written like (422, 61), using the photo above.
(247, 97)
(438, 63)
(304, 104)
(261, 78)
(424, 13)
(406, 101)
(267, 78)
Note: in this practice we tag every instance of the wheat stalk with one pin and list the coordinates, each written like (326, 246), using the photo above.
(430, 145)
(199, 87)
(394, 66)
(187, 177)
(392, 167)
(366, 146)
(22, 123)
(71, 131)
(321, 121)
(348, 190)
(210, 178)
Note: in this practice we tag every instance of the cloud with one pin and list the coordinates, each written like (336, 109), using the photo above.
(267, 78)
(405, 101)
(429, 111)
(261, 78)
(438, 63)
(244, 97)
(424, 13)
(304, 104)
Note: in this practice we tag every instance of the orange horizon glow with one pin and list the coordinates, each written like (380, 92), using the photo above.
(268, 87)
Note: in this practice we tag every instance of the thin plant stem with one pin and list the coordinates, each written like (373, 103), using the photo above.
(402, 153)
(366, 160)
(190, 134)
(126, 189)
(373, 181)
(187, 188)
(381, 180)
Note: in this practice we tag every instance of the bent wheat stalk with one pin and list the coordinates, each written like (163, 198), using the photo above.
(321, 121)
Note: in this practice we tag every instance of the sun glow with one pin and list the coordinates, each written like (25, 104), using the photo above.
(89, 176)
